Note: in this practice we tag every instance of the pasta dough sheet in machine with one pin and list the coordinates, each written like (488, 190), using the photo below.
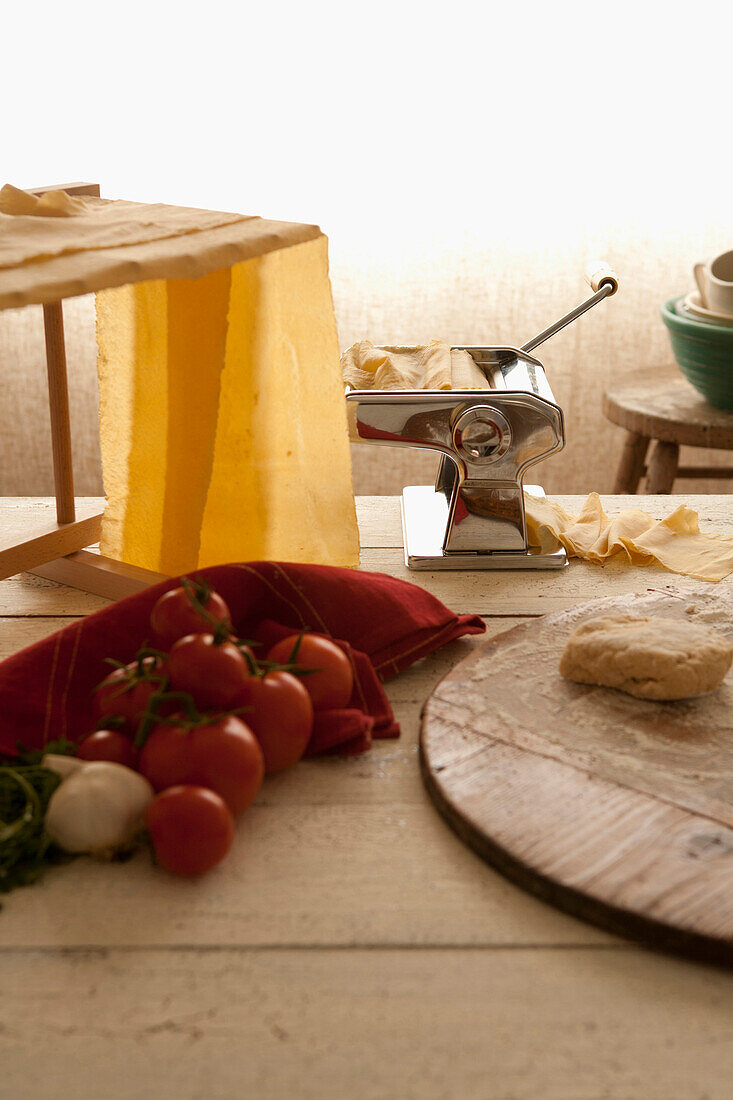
(474, 517)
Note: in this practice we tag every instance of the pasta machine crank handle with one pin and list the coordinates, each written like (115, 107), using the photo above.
(602, 280)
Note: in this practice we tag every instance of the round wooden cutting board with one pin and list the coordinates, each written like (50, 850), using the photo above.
(616, 809)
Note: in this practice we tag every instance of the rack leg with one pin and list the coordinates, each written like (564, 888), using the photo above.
(58, 399)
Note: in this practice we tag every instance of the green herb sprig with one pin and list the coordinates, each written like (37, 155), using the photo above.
(25, 848)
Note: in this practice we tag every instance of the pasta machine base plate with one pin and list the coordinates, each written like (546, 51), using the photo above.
(424, 524)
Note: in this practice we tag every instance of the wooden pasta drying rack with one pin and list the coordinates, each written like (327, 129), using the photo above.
(30, 540)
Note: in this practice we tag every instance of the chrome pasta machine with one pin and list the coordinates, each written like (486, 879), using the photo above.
(487, 438)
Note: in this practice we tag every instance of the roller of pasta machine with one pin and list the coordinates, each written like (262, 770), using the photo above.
(474, 517)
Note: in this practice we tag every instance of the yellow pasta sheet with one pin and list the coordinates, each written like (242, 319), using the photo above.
(34, 228)
(55, 245)
(433, 366)
(222, 417)
(675, 542)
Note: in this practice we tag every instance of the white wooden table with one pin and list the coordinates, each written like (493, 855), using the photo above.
(350, 945)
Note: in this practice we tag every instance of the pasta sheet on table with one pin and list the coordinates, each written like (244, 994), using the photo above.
(675, 542)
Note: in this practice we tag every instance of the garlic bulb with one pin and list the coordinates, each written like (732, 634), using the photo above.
(62, 765)
(98, 809)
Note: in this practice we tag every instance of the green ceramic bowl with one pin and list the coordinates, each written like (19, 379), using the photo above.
(704, 353)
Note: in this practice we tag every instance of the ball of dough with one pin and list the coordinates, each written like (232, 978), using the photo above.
(648, 658)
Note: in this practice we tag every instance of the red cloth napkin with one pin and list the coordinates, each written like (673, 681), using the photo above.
(383, 624)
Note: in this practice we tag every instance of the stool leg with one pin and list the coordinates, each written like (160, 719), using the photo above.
(662, 467)
(631, 466)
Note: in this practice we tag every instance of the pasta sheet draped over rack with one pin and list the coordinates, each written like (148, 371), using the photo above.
(222, 420)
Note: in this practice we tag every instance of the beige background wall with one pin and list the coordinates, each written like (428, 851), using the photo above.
(25, 433)
(471, 294)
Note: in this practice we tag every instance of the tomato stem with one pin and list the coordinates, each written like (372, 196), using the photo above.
(150, 673)
(252, 663)
(192, 718)
(115, 664)
(151, 715)
(294, 670)
(192, 714)
(111, 722)
(144, 652)
(198, 593)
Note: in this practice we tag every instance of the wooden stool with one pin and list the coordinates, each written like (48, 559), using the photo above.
(665, 408)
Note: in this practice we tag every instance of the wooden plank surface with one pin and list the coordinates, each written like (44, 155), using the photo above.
(367, 1024)
(328, 821)
(352, 945)
(26, 596)
(483, 593)
(536, 592)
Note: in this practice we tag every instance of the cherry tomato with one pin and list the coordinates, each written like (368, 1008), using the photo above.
(331, 686)
(212, 673)
(281, 718)
(191, 829)
(124, 692)
(108, 745)
(164, 756)
(175, 614)
(226, 757)
(222, 755)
